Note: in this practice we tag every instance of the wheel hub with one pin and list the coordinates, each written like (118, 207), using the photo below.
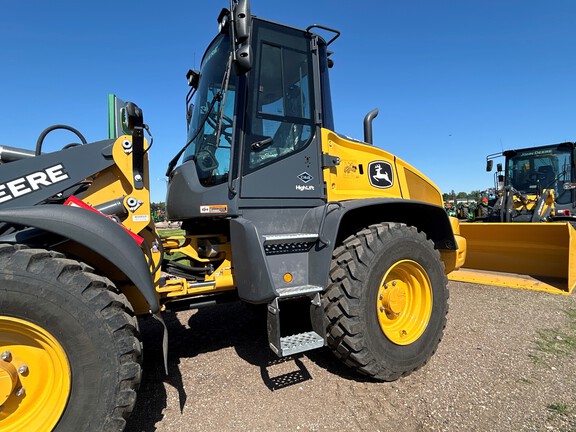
(35, 377)
(404, 302)
(394, 299)
(8, 380)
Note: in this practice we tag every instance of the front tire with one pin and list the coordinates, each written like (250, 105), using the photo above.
(69, 346)
(385, 308)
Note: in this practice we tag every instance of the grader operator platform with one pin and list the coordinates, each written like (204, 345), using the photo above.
(275, 207)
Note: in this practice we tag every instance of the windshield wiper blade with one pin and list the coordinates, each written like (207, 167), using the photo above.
(217, 97)
(224, 86)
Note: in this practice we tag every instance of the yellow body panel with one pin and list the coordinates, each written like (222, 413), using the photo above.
(350, 178)
(454, 259)
(532, 255)
(116, 182)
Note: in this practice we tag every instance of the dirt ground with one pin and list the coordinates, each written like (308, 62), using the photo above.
(489, 374)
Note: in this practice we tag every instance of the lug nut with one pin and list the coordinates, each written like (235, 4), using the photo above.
(20, 392)
(23, 370)
(6, 356)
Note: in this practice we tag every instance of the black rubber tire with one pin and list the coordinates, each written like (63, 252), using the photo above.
(93, 322)
(349, 303)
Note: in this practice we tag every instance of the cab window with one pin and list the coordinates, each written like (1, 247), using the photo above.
(281, 102)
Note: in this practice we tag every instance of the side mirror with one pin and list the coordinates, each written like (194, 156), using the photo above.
(243, 59)
(241, 31)
(132, 116)
(489, 164)
(193, 78)
(242, 20)
(223, 20)
(499, 167)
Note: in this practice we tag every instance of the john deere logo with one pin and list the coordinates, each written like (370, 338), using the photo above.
(380, 174)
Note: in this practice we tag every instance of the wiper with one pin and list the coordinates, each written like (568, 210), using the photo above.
(217, 97)
(225, 83)
(175, 159)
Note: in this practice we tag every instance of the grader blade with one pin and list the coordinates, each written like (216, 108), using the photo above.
(536, 256)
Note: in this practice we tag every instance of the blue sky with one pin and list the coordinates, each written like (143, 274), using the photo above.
(454, 80)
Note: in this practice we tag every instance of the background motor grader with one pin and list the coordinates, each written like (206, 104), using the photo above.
(276, 209)
(528, 238)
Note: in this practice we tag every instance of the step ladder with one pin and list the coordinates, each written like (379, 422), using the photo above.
(300, 342)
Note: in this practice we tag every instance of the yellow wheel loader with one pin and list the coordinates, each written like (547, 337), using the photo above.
(527, 240)
(276, 209)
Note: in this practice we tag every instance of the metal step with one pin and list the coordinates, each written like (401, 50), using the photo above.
(298, 291)
(300, 342)
(291, 237)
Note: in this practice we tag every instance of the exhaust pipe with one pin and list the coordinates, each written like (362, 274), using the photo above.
(368, 125)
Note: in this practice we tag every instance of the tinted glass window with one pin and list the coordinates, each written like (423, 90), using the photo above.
(281, 107)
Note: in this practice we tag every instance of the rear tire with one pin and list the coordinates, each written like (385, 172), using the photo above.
(385, 308)
(84, 370)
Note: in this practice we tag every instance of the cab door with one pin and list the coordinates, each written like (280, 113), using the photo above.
(281, 156)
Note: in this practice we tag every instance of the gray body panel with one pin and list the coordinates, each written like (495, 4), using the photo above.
(270, 242)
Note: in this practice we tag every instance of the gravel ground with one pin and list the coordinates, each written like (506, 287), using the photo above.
(489, 374)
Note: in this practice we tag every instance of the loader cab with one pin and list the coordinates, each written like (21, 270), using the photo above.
(255, 111)
(532, 170)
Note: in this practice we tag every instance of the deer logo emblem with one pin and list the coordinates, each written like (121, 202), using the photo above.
(380, 174)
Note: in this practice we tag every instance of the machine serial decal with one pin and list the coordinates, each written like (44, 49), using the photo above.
(32, 182)
(214, 209)
(380, 174)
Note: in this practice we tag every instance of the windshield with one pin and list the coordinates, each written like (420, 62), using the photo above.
(540, 168)
(210, 128)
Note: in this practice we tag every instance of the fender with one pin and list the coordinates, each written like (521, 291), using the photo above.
(100, 234)
(344, 218)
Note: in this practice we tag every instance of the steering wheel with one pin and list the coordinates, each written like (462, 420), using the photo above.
(226, 124)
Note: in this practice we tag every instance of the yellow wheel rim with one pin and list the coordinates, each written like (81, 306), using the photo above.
(404, 303)
(34, 377)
